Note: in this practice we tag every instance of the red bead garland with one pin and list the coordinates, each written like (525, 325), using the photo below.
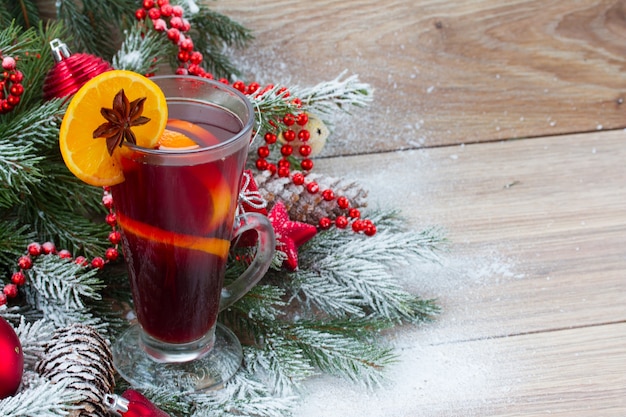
(35, 249)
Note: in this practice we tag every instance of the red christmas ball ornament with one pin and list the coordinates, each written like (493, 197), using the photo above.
(71, 71)
(11, 360)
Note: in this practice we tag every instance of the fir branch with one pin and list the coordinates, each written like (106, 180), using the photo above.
(15, 237)
(281, 363)
(64, 281)
(270, 107)
(340, 93)
(56, 313)
(337, 353)
(24, 12)
(34, 337)
(44, 400)
(141, 51)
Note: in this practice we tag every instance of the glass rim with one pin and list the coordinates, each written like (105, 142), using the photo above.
(247, 126)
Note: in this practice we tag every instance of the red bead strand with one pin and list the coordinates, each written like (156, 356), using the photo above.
(35, 249)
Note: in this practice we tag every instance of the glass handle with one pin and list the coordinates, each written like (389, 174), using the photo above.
(266, 244)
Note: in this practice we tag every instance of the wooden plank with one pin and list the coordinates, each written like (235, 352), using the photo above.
(538, 229)
(447, 72)
(569, 373)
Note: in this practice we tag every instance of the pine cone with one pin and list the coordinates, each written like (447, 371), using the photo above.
(303, 206)
(79, 354)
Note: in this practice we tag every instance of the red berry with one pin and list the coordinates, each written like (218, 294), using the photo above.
(25, 262)
(81, 260)
(97, 262)
(17, 89)
(261, 164)
(3, 299)
(177, 11)
(312, 187)
(272, 168)
(302, 119)
(183, 56)
(239, 85)
(16, 77)
(358, 225)
(154, 13)
(141, 14)
(34, 249)
(370, 229)
(107, 201)
(283, 172)
(252, 88)
(115, 237)
(10, 290)
(298, 178)
(286, 150)
(289, 135)
(343, 202)
(65, 254)
(289, 119)
(148, 4)
(173, 35)
(111, 219)
(13, 100)
(166, 10)
(328, 195)
(196, 58)
(305, 150)
(8, 63)
(111, 254)
(304, 135)
(18, 278)
(263, 152)
(325, 223)
(186, 44)
(159, 24)
(341, 222)
(306, 164)
(48, 248)
(270, 138)
(354, 213)
(162, 3)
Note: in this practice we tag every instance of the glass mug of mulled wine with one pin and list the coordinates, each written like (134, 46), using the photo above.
(177, 212)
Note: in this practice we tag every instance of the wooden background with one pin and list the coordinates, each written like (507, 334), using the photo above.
(501, 121)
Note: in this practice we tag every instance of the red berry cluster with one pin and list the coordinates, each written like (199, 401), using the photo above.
(33, 250)
(11, 88)
(283, 167)
(169, 19)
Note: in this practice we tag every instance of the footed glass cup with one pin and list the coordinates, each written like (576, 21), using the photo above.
(177, 213)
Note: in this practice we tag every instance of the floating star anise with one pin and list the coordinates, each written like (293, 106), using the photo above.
(119, 120)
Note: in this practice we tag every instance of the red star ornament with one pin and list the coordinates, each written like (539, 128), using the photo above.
(289, 234)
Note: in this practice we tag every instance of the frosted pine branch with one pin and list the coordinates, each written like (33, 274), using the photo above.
(342, 92)
(44, 400)
(281, 363)
(339, 354)
(34, 337)
(138, 50)
(64, 281)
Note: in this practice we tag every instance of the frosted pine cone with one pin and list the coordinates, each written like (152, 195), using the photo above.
(303, 206)
(79, 355)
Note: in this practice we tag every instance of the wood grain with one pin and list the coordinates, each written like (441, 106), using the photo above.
(538, 228)
(448, 72)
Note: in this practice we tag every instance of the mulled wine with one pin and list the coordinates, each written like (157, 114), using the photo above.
(176, 217)
(176, 208)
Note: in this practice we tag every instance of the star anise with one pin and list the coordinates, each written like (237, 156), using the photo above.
(119, 121)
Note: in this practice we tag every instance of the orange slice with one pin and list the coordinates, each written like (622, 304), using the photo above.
(88, 158)
(201, 135)
(211, 245)
(171, 139)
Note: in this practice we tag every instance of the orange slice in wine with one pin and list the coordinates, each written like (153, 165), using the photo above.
(89, 158)
(211, 245)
